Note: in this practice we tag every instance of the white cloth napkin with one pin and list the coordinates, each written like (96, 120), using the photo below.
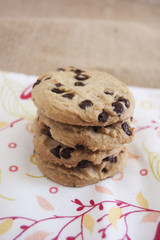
(33, 207)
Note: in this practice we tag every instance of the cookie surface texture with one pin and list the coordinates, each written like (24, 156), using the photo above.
(81, 176)
(83, 97)
(93, 138)
(52, 151)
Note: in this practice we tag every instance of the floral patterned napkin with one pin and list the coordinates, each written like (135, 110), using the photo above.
(32, 207)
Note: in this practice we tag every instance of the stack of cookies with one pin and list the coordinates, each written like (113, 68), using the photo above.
(83, 123)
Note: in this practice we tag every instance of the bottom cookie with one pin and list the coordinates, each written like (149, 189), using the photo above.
(82, 175)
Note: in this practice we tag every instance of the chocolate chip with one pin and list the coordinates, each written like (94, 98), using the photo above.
(56, 150)
(126, 102)
(112, 159)
(57, 90)
(60, 69)
(107, 158)
(47, 131)
(131, 119)
(96, 128)
(79, 84)
(84, 164)
(103, 116)
(59, 84)
(81, 77)
(80, 147)
(126, 128)
(104, 170)
(66, 153)
(118, 107)
(36, 83)
(86, 103)
(47, 78)
(68, 95)
(77, 71)
(108, 93)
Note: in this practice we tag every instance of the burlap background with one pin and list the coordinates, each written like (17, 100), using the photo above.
(121, 37)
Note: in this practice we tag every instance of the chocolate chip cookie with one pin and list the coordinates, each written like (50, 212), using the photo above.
(83, 174)
(93, 138)
(83, 97)
(55, 152)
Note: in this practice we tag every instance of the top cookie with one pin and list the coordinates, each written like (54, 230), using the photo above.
(82, 97)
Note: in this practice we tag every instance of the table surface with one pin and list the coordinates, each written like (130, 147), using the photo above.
(120, 38)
